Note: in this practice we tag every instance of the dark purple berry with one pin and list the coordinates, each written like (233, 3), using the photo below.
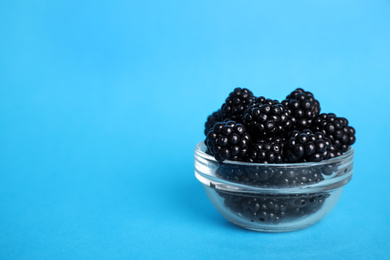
(266, 118)
(211, 120)
(338, 131)
(303, 107)
(227, 140)
(306, 146)
(266, 150)
(268, 176)
(269, 209)
(236, 103)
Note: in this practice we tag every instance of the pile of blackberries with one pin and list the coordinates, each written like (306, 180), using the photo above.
(261, 130)
(273, 209)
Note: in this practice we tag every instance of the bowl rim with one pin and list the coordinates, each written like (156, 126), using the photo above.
(326, 185)
(340, 158)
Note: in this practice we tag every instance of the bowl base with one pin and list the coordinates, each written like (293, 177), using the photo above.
(273, 229)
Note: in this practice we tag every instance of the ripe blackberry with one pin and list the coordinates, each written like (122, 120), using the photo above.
(299, 205)
(272, 176)
(295, 177)
(227, 140)
(236, 103)
(211, 120)
(337, 130)
(266, 150)
(235, 173)
(270, 209)
(305, 146)
(266, 117)
(303, 107)
(257, 208)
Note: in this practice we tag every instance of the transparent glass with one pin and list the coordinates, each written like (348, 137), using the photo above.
(273, 197)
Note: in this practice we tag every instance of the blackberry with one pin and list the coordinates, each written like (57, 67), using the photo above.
(304, 146)
(337, 130)
(268, 150)
(299, 205)
(257, 208)
(295, 177)
(211, 120)
(303, 108)
(269, 209)
(227, 140)
(236, 103)
(272, 176)
(266, 117)
(235, 173)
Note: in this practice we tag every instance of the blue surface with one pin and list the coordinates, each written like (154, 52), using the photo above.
(103, 102)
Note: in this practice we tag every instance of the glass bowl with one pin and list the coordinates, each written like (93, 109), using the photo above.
(273, 197)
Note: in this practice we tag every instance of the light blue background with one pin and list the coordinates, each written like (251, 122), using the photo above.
(103, 102)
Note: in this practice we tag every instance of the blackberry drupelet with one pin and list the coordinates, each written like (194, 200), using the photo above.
(211, 120)
(303, 108)
(228, 140)
(305, 146)
(236, 103)
(338, 131)
(266, 117)
(266, 150)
